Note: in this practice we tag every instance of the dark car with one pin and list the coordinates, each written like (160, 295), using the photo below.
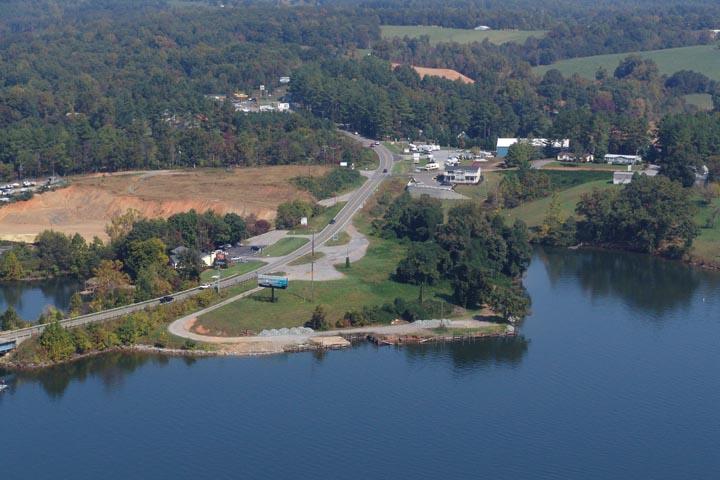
(384, 170)
(332, 221)
(167, 299)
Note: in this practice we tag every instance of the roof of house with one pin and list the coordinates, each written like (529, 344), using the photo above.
(179, 250)
(506, 142)
(465, 169)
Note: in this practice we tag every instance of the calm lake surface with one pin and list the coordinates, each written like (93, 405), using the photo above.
(616, 376)
(31, 298)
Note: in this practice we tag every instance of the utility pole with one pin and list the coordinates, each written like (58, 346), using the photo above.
(312, 269)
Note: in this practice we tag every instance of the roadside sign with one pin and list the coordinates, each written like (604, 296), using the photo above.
(271, 281)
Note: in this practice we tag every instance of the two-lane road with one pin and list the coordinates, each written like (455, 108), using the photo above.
(341, 220)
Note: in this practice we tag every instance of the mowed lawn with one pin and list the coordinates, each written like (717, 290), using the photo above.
(533, 213)
(284, 246)
(703, 101)
(237, 269)
(459, 35)
(706, 245)
(367, 283)
(480, 192)
(701, 58)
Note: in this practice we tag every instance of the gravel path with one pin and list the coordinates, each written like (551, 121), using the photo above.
(324, 268)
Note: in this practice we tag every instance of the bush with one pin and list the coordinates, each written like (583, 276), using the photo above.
(57, 342)
(318, 321)
(82, 341)
(329, 184)
(290, 213)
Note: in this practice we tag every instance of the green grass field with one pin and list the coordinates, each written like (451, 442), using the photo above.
(305, 259)
(702, 58)
(533, 213)
(237, 269)
(578, 167)
(706, 245)
(442, 34)
(284, 246)
(481, 191)
(703, 101)
(343, 238)
(367, 282)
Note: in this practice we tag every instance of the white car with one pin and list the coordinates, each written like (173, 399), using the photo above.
(204, 286)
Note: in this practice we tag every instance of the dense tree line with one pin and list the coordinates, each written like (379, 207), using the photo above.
(651, 215)
(611, 114)
(687, 143)
(102, 86)
(476, 252)
(88, 86)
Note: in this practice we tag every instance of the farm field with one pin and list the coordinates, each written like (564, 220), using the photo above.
(459, 35)
(88, 203)
(702, 58)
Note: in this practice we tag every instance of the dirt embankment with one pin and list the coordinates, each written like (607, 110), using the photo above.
(87, 205)
(447, 73)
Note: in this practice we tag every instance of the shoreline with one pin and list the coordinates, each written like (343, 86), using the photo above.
(688, 259)
(318, 343)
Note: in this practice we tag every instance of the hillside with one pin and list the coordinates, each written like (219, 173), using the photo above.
(702, 58)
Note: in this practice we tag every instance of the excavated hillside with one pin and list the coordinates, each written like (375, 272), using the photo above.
(88, 203)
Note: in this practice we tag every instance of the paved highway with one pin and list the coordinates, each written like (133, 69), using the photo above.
(341, 220)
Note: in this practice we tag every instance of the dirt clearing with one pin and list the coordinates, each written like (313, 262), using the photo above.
(447, 73)
(90, 201)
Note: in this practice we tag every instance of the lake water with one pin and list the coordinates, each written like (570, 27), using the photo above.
(616, 376)
(31, 298)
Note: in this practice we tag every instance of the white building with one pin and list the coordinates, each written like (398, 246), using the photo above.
(623, 159)
(462, 175)
(625, 177)
(622, 178)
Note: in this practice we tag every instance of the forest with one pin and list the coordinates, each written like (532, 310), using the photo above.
(93, 85)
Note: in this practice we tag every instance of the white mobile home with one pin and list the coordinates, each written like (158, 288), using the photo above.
(623, 159)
